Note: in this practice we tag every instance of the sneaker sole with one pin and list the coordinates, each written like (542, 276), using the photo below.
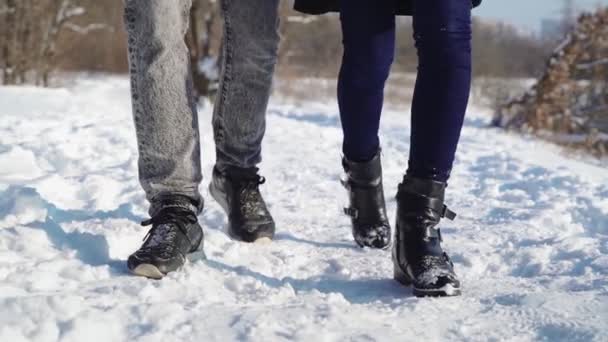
(148, 271)
(446, 291)
(263, 241)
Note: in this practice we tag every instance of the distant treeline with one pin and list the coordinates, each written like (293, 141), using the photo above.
(499, 50)
(94, 40)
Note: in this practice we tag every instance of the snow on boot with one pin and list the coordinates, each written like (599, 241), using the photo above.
(418, 258)
(237, 191)
(175, 232)
(370, 225)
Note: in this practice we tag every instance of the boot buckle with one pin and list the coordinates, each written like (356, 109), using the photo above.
(447, 213)
(431, 232)
(345, 183)
(352, 212)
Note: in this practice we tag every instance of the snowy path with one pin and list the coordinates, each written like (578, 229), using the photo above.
(530, 243)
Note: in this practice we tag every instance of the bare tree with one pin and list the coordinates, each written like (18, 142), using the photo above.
(64, 16)
(9, 11)
(30, 32)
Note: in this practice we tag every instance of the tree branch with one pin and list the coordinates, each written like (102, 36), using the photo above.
(88, 28)
(585, 66)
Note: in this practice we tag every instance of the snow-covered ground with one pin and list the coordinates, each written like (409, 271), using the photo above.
(530, 242)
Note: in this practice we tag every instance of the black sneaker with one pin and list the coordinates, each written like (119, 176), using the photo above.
(418, 257)
(175, 233)
(237, 191)
(367, 209)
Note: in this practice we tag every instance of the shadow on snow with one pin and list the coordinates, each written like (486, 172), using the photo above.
(91, 249)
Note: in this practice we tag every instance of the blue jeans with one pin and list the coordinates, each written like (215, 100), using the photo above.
(442, 31)
(164, 110)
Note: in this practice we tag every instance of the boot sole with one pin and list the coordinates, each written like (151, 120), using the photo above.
(384, 248)
(148, 271)
(405, 280)
(262, 240)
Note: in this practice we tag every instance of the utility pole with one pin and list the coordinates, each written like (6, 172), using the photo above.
(568, 15)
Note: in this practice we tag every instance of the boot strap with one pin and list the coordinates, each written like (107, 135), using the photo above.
(417, 202)
(447, 213)
(344, 183)
(349, 184)
(352, 212)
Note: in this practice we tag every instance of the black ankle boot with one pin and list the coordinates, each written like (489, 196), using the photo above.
(418, 257)
(367, 207)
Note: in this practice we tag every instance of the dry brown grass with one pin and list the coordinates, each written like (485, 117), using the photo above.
(398, 92)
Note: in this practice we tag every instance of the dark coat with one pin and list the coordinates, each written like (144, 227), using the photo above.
(402, 7)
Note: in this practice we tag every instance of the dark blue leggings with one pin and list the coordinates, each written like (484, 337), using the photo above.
(442, 31)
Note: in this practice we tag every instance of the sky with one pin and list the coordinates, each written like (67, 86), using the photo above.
(528, 14)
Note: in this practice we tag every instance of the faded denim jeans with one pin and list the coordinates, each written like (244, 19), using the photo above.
(164, 108)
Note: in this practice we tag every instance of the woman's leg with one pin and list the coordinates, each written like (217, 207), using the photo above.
(369, 46)
(442, 30)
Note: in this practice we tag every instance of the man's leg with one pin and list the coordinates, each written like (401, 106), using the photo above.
(249, 55)
(167, 132)
(163, 106)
